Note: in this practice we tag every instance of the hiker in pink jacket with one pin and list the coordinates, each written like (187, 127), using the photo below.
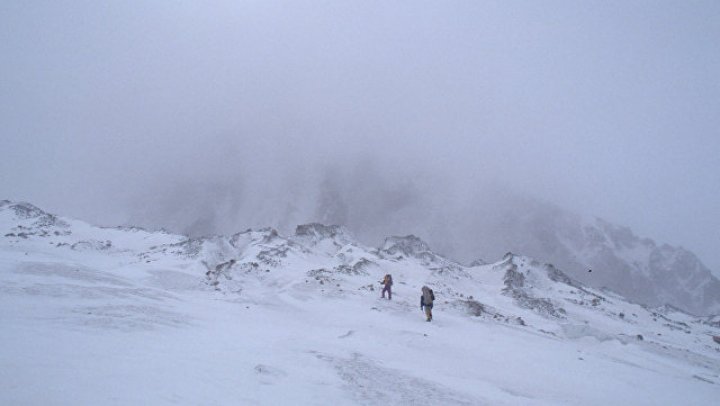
(387, 286)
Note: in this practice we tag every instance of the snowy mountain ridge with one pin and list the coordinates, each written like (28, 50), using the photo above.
(300, 318)
(638, 268)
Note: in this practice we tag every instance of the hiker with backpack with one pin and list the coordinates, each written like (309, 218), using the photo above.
(387, 286)
(426, 301)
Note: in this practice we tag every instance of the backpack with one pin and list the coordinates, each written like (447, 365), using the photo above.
(428, 296)
(388, 280)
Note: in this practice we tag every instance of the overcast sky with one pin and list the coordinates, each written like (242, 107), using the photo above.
(221, 115)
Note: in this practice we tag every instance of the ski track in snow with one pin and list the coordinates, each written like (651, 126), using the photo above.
(371, 384)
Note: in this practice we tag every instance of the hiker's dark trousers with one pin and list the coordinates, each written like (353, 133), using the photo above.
(387, 289)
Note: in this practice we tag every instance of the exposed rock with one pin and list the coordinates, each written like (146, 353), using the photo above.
(319, 230)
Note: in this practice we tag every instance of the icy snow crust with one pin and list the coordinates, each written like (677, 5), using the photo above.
(124, 316)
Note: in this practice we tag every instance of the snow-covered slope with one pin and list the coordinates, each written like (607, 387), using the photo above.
(124, 316)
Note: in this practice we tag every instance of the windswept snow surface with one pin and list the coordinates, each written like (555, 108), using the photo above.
(123, 316)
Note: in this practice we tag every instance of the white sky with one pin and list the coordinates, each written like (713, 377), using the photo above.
(160, 110)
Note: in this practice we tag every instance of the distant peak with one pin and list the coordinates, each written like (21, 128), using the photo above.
(27, 211)
(269, 234)
(319, 230)
(408, 245)
(478, 262)
(265, 234)
(23, 209)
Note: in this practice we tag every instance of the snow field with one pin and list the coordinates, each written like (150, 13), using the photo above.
(141, 323)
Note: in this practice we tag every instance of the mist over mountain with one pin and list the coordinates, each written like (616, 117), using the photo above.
(422, 139)
(387, 118)
(480, 225)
